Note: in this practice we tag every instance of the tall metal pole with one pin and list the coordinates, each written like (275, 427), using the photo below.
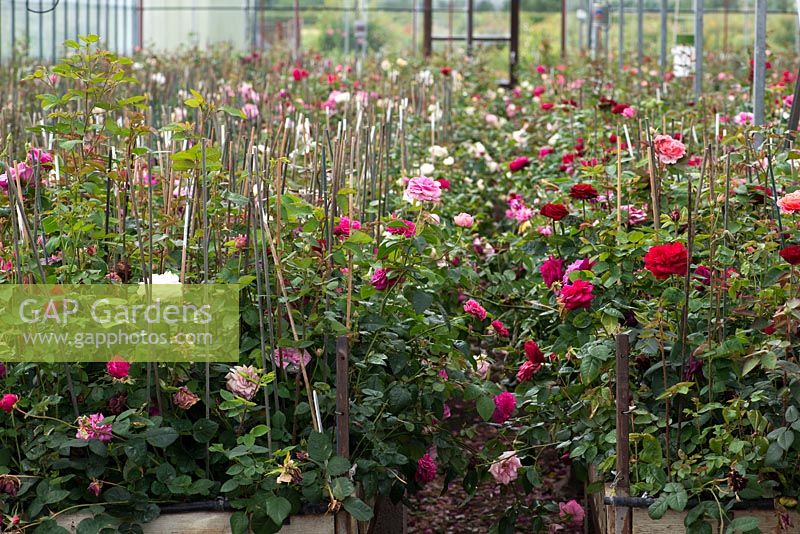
(427, 28)
(470, 24)
(514, 43)
(297, 28)
(590, 44)
(414, 27)
(698, 48)
(563, 29)
(759, 65)
(639, 32)
(662, 55)
(621, 51)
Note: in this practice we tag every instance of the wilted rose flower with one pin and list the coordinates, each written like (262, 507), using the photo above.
(9, 485)
(117, 403)
(289, 358)
(184, 398)
(243, 380)
(92, 427)
(527, 370)
(504, 470)
(95, 487)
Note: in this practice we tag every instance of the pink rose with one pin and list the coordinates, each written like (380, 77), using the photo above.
(381, 281)
(571, 511)
(464, 220)
(345, 226)
(667, 149)
(504, 405)
(8, 401)
(426, 470)
(243, 380)
(118, 368)
(519, 163)
(504, 470)
(423, 189)
(289, 358)
(790, 203)
(473, 308)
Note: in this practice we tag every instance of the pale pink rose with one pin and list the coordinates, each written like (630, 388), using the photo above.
(629, 112)
(504, 470)
(491, 119)
(243, 380)
(423, 189)
(571, 510)
(464, 220)
(667, 149)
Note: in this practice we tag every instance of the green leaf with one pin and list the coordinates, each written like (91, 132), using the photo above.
(421, 300)
(319, 447)
(485, 407)
(239, 523)
(681, 388)
(204, 430)
(278, 509)
(233, 112)
(338, 466)
(590, 368)
(742, 524)
(161, 437)
(49, 526)
(342, 487)
(658, 508)
(357, 237)
(357, 508)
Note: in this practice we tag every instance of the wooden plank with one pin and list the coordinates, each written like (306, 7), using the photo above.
(622, 514)
(211, 523)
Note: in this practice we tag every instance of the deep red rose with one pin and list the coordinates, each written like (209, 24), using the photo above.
(791, 254)
(576, 295)
(555, 211)
(527, 370)
(533, 352)
(446, 71)
(583, 192)
(666, 260)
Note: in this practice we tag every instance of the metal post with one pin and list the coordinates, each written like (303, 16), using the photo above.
(27, 32)
(639, 32)
(794, 115)
(514, 44)
(563, 29)
(297, 42)
(125, 38)
(427, 28)
(13, 31)
(88, 17)
(77, 19)
(41, 31)
(141, 24)
(759, 65)
(254, 36)
(97, 26)
(116, 26)
(662, 55)
(53, 37)
(590, 40)
(108, 24)
(622, 514)
(66, 21)
(621, 51)
(698, 48)
(470, 24)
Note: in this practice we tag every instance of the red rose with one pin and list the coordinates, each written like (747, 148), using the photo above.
(519, 163)
(527, 370)
(583, 192)
(446, 71)
(555, 211)
(444, 184)
(791, 254)
(666, 260)
(576, 295)
(533, 352)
